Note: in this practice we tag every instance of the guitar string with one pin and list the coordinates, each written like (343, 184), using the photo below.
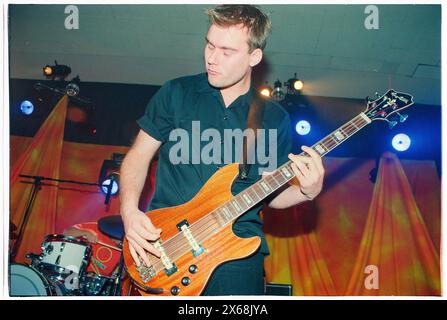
(202, 227)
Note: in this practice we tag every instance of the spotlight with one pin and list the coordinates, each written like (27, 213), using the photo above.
(265, 90)
(401, 142)
(298, 85)
(47, 71)
(294, 85)
(109, 177)
(27, 107)
(72, 89)
(302, 127)
(57, 71)
(110, 185)
(278, 93)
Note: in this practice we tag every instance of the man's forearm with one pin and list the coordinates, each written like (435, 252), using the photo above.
(289, 197)
(132, 177)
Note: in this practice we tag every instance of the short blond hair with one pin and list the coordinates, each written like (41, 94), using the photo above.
(257, 22)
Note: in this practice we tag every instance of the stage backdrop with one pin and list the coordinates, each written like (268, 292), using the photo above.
(356, 238)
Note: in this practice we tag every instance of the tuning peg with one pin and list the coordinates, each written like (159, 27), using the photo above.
(402, 117)
(378, 94)
(392, 124)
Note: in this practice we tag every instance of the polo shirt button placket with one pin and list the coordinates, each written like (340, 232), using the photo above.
(225, 117)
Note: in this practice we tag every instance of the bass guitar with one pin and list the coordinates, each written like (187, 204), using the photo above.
(197, 235)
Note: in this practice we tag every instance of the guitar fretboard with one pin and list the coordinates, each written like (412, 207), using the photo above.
(251, 196)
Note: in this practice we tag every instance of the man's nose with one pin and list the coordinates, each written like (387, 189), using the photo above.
(212, 58)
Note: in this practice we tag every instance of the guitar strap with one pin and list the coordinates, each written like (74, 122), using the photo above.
(254, 122)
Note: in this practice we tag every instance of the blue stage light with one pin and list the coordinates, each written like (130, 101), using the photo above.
(26, 107)
(401, 142)
(302, 127)
(105, 185)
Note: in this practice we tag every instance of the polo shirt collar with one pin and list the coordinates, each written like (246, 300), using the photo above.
(203, 86)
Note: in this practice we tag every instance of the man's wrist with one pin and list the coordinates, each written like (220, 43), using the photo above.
(306, 196)
(128, 208)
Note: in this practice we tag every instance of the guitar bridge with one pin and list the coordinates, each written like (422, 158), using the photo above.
(146, 272)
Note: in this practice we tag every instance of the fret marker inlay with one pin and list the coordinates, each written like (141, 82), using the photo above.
(238, 208)
(286, 172)
(339, 135)
(246, 198)
(319, 149)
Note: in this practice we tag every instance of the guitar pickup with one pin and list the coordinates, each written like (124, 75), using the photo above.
(170, 267)
(197, 248)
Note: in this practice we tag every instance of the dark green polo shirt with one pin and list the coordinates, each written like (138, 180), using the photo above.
(177, 104)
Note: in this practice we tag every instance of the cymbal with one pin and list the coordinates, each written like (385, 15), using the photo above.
(112, 226)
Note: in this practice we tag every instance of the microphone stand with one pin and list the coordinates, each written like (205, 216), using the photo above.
(37, 183)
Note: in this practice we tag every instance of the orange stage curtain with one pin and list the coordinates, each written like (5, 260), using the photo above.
(42, 157)
(296, 258)
(395, 240)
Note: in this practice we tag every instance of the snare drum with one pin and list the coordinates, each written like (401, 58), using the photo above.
(26, 281)
(64, 255)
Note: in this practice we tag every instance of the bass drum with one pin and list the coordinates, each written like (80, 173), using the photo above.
(25, 281)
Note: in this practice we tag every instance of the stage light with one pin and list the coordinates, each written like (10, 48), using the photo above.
(302, 127)
(278, 93)
(401, 142)
(110, 185)
(298, 85)
(108, 179)
(47, 71)
(27, 107)
(294, 85)
(72, 89)
(57, 71)
(265, 90)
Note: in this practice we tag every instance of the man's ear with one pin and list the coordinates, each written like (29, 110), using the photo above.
(255, 57)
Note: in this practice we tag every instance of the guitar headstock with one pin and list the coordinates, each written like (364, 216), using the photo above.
(391, 103)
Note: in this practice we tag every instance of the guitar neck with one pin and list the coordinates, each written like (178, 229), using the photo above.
(254, 194)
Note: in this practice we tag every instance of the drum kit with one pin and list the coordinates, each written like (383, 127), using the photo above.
(61, 268)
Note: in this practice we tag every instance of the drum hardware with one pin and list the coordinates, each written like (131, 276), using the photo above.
(37, 184)
(109, 246)
(61, 270)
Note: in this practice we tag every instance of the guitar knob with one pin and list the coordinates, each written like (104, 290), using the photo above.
(193, 268)
(186, 281)
(175, 290)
